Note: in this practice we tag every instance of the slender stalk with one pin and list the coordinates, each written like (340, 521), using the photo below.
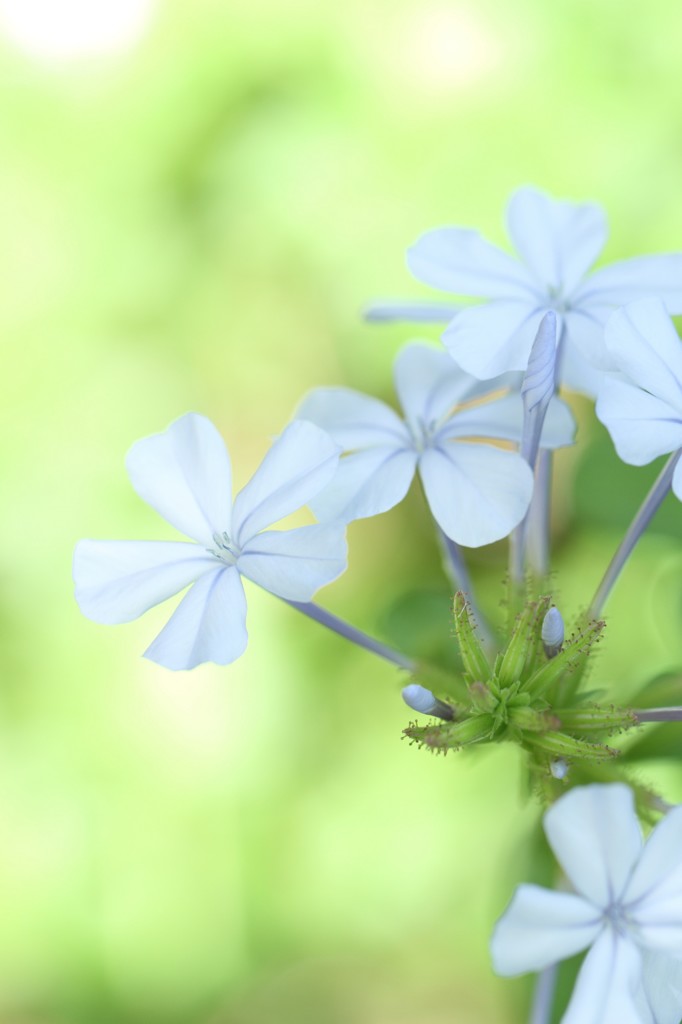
(658, 715)
(356, 636)
(538, 520)
(648, 509)
(543, 997)
(458, 574)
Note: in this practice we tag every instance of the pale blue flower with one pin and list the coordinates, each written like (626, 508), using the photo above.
(185, 474)
(626, 910)
(557, 242)
(477, 492)
(643, 409)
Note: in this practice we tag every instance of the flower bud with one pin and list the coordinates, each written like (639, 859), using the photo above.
(422, 700)
(552, 632)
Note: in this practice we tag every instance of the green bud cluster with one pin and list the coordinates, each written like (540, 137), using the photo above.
(526, 695)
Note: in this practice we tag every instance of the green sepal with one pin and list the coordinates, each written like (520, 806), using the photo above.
(482, 698)
(573, 652)
(595, 719)
(521, 651)
(454, 735)
(473, 656)
(527, 718)
(558, 744)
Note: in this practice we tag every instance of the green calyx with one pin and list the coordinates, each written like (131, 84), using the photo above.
(524, 696)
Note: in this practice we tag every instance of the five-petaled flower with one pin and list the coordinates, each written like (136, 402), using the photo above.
(558, 242)
(477, 492)
(643, 409)
(185, 474)
(627, 908)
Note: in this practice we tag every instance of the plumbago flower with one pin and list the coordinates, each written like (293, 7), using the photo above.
(626, 910)
(557, 243)
(477, 492)
(185, 474)
(643, 410)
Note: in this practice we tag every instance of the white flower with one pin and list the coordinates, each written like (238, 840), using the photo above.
(557, 243)
(643, 413)
(185, 474)
(626, 910)
(477, 492)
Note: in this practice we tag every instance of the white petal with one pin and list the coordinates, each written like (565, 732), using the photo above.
(503, 419)
(621, 282)
(584, 333)
(184, 473)
(352, 419)
(477, 493)
(541, 927)
(644, 344)
(662, 988)
(641, 426)
(461, 261)
(594, 833)
(558, 240)
(295, 563)
(299, 464)
(677, 480)
(576, 372)
(607, 985)
(491, 339)
(366, 483)
(392, 310)
(428, 383)
(209, 624)
(118, 580)
(660, 860)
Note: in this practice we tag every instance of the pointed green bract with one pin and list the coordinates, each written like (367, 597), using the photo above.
(452, 736)
(595, 719)
(558, 744)
(550, 673)
(522, 649)
(473, 656)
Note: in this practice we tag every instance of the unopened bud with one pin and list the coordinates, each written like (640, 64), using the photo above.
(552, 632)
(422, 700)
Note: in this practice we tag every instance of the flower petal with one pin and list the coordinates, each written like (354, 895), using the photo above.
(459, 260)
(477, 493)
(657, 876)
(677, 480)
(558, 240)
(661, 988)
(428, 383)
(366, 483)
(118, 580)
(621, 282)
(641, 426)
(594, 833)
(403, 310)
(185, 474)
(295, 563)
(491, 339)
(209, 624)
(576, 372)
(644, 344)
(607, 985)
(584, 333)
(352, 419)
(503, 419)
(299, 464)
(541, 927)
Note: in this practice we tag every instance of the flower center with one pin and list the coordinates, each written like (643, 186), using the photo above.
(422, 433)
(225, 550)
(618, 918)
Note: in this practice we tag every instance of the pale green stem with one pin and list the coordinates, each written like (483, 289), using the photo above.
(356, 636)
(647, 511)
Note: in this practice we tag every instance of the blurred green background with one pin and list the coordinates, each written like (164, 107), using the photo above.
(196, 201)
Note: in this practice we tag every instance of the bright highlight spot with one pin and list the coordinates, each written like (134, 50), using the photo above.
(446, 47)
(67, 30)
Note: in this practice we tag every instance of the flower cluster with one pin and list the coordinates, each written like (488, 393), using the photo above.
(478, 422)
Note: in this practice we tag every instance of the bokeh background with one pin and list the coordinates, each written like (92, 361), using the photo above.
(196, 201)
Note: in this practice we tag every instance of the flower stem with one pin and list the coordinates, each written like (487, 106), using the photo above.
(458, 575)
(658, 715)
(356, 636)
(648, 509)
(543, 997)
